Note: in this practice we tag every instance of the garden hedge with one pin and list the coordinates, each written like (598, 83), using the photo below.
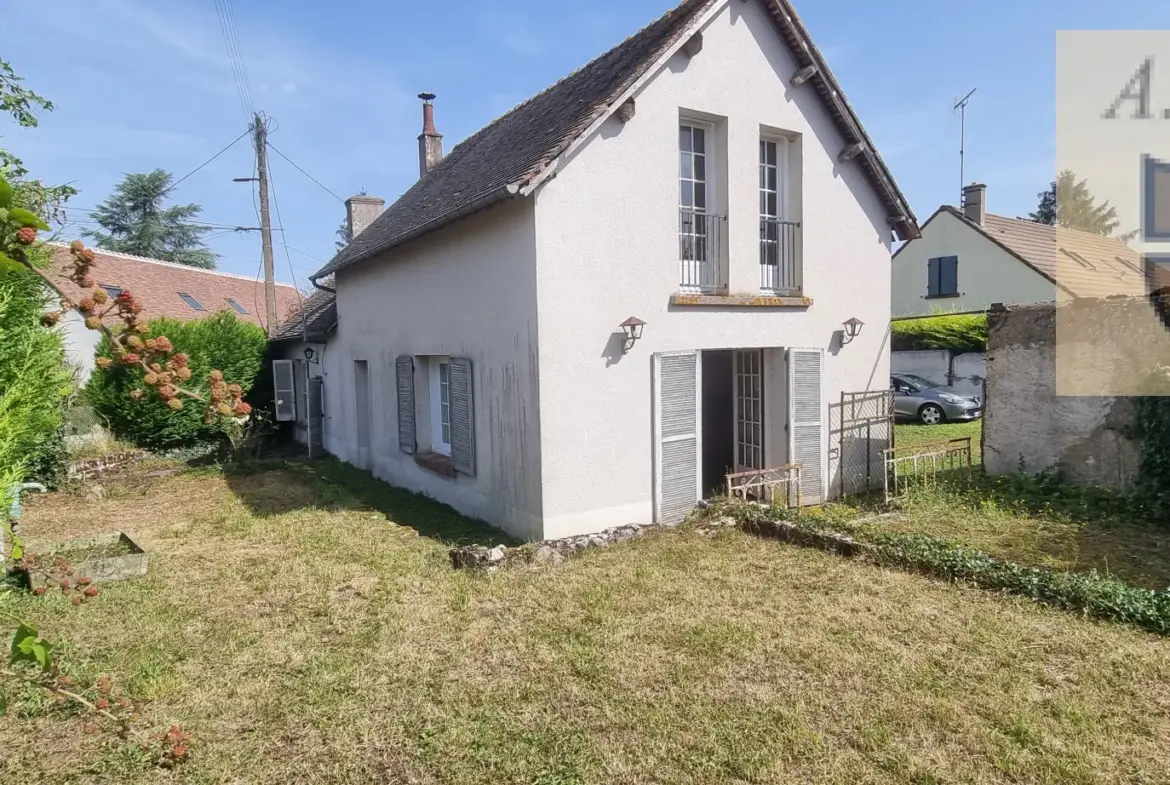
(957, 333)
(34, 382)
(221, 341)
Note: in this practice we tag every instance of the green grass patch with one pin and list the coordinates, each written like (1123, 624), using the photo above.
(303, 624)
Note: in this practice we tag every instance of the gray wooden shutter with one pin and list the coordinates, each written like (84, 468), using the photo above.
(284, 390)
(806, 420)
(931, 277)
(404, 369)
(949, 275)
(461, 385)
(677, 437)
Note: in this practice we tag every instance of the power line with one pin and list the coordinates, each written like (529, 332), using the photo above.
(205, 163)
(280, 223)
(231, 40)
(306, 174)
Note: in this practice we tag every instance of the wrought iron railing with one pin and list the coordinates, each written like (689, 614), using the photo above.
(702, 266)
(780, 246)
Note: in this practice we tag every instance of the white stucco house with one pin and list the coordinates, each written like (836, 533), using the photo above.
(967, 259)
(707, 178)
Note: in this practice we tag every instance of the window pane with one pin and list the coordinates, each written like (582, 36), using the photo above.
(685, 168)
(772, 178)
(772, 204)
(699, 136)
(700, 196)
(763, 203)
(687, 199)
(771, 153)
(684, 138)
(701, 167)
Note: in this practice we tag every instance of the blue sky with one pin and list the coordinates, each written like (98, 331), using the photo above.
(140, 85)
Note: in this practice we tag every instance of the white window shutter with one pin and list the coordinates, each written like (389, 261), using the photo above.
(806, 419)
(284, 390)
(461, 386)
(404, 371)
(677, 438)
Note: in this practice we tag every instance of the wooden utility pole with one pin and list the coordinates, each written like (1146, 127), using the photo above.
(260, 131)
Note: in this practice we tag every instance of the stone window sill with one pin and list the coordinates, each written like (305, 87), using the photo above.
(739, 301)
(940, 296)
(436, 462)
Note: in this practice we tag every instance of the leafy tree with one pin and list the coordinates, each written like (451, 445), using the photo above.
(136, 221)
(21, 104)
(19, 101)
(1068, 204)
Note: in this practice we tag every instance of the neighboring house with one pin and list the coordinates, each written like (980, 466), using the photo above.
(967, 259)
(166, 289)
(706, 177)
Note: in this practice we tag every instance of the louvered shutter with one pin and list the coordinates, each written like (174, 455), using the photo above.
(806, 420)
(677, 440)
(404, 370)
(284, 390)
(461, 390)
(932, 277)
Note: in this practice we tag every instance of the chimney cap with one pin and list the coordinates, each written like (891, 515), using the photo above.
(428, 97)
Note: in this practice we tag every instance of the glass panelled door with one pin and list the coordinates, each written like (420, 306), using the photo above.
(696, 254)
(749, 410)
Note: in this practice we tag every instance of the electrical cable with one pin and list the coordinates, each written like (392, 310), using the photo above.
(306, 174)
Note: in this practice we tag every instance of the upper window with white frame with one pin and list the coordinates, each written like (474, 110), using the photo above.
(699, 226)
(780, 271)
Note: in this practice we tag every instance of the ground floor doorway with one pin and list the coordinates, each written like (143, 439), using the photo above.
(718, 411)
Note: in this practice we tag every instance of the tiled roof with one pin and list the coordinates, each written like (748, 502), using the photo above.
(1083, 264)
(507, 155)
(158, 286)
(313, 321)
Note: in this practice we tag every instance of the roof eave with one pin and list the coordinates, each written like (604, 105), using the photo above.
(804, 50)
(487, 200)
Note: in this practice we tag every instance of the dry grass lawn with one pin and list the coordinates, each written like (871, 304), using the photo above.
(298, 627)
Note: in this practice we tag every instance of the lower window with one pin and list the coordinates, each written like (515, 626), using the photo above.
(440, 390)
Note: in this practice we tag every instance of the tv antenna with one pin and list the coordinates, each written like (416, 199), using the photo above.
(961, 107)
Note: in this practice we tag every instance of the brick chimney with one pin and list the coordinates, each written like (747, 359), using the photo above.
(975, 203)
(360, 212)
(430, 141)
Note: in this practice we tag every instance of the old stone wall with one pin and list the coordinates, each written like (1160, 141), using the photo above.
(1032, 422)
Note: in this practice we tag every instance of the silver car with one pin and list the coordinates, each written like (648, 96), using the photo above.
(931, 403)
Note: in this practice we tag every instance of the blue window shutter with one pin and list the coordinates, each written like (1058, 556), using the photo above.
(949, 275)
(932, 277)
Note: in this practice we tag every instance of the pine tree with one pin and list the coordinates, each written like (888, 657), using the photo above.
(1068, 204)
(137, 221)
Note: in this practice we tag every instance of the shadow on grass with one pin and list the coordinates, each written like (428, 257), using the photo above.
(276, 487)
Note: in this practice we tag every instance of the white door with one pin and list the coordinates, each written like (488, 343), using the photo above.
(806, 419)
(678, 442)
(749, 410)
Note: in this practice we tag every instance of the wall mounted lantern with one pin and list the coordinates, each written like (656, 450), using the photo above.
(853, 327)
(632, 328)
(310, 353)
